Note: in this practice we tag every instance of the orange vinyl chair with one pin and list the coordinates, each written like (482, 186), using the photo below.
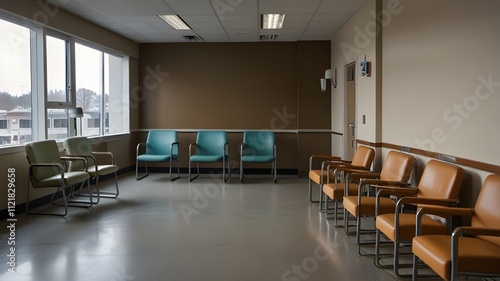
(440, 184)
(470, 250)
(316, 175)
(396, 170)
(334, 191)
(320, 176)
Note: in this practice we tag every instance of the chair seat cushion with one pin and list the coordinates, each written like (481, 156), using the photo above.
(153, 158)
(315, 176)
(70, 178)
(257, 158)
(206, 158)
(475, 255)
(385, 223)
(387, 205)
(336, 191)
(103, 170)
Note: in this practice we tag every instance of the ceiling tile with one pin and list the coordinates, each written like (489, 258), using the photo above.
(220, 20)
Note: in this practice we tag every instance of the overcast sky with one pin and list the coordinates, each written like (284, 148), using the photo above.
(15, 76)
(14, 59)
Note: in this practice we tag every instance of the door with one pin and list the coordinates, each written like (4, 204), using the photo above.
(350, 145)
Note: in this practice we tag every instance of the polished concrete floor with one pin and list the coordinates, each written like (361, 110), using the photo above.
(204, 230)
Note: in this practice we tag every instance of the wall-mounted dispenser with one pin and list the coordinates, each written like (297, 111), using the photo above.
(329, 75)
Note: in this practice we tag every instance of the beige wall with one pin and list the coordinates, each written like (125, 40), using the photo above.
(351, 43)
(65, 22)
(431, 61)
(434, 70)
(237, 87)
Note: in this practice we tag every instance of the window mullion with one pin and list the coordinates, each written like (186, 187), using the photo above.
(38, 108)
(102, 112)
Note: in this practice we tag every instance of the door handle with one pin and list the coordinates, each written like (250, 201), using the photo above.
(351, 125)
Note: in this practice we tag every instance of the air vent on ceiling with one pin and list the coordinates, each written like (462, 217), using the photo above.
(193, 38)
(268, 37)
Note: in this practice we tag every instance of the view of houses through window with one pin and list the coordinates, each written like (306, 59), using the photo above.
(99, 78)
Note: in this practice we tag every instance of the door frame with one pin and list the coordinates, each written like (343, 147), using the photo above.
(347, 109)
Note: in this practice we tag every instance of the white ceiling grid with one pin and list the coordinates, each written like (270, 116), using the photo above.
(215, 20)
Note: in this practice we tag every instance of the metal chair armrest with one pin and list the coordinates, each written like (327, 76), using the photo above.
(57, 165)
(138, 147)
(110, 154)
(442, 212)
(191, 145)
(319, 156)
(77, 158)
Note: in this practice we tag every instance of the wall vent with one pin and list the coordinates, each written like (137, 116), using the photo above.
(193, 38)
(446, 158)
(405, 149)
(268, 37)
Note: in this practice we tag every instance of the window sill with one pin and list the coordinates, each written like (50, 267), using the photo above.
(11, 149)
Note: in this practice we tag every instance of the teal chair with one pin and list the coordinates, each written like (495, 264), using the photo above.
(46, 171)
(258, 147)
(210, 147)
(81, 147)
(161, 146)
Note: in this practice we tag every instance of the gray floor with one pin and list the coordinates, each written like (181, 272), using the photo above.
(204, 230)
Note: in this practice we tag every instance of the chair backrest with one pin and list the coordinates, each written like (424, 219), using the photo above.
(258, 143)
(397, 166)
(440, 180)
(487, 208)
(210, 142)
(363, 156)
(159, 142)
(78, 146)
(45, 151)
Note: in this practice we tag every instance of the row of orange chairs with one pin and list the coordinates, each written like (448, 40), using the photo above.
(387, 197)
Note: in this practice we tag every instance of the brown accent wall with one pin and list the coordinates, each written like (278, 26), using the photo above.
(236, 87)
(312, 61)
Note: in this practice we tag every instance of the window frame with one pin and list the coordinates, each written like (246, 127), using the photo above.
(40, 120)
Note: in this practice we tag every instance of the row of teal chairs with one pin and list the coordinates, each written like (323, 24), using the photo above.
(210, 147)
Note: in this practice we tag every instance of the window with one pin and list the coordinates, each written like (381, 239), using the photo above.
(93, 123)
(100, 84)
(43, 73)
(24, 123)
(116, 107)
(15, 82)
(57, 69)
(60, 123)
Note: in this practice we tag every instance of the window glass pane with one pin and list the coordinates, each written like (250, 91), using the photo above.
(116, 111)
(15, 84)
(56, 69)
(59, 128)
(88, 87)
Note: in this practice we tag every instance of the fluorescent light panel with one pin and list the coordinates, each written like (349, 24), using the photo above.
(175, 21)
(272, 21)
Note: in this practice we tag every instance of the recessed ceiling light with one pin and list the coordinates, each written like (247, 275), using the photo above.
(272, 21)
(175, 21)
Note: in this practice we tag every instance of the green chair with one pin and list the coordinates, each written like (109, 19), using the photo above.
(46, 171)
(210, 147)
(161, 146)
(81, 147)
(258, 147)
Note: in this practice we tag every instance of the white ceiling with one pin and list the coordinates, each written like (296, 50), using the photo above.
(215, 20)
